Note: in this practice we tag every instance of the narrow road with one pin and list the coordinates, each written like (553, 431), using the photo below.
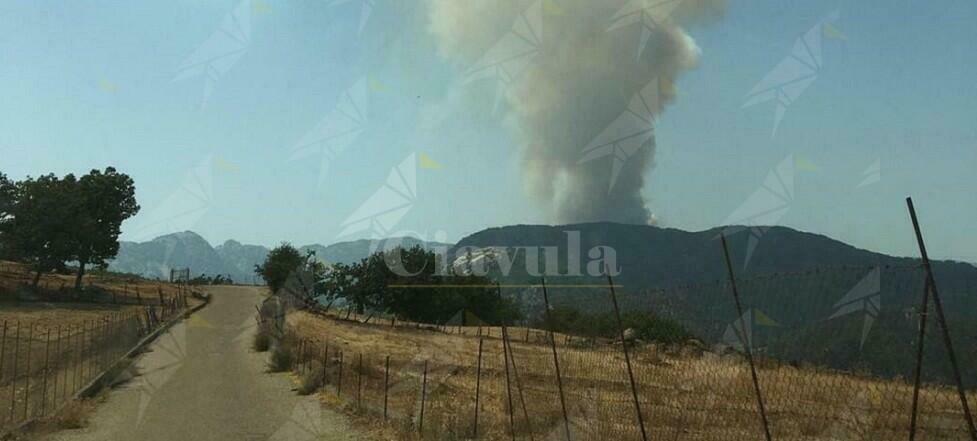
(202, 381)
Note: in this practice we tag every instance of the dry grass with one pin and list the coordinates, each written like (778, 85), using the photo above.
(74, 415)
(15, 277)
(683, 395)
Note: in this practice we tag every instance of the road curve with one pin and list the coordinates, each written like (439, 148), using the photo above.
(201, 381)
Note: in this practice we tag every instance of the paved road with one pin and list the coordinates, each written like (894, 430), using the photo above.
(202, 382)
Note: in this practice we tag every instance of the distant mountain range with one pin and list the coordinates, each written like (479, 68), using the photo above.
(155, 258)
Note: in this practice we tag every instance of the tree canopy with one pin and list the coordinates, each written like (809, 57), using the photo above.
(406, 283)
(48, 221)
(107, 199)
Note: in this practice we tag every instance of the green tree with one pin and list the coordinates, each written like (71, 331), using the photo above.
(406, 283)
(107, 198)
(34, 227)
(8, 192)
(281, 264)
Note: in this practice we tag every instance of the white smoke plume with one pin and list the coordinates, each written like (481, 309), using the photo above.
(587, 67)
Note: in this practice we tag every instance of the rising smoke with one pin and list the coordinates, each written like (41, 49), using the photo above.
(584, 73)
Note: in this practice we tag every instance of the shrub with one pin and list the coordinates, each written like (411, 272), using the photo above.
(261, 342)
(282, 358)
(312, 380)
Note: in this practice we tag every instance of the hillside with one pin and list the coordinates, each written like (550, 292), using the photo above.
(805, 297)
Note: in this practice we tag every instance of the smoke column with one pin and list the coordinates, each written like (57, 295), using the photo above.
(592, 60)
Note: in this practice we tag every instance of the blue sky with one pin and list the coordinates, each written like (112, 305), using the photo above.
(888, 114)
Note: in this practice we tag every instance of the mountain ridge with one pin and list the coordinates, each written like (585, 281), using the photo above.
(154, 258)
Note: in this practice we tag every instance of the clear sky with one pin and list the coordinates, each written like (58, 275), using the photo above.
(207, 104)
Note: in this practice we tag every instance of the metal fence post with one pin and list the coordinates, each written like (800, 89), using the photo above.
(60, 368)
(13, 379)
(386, 386)
(325, 364)
(919, 360)
(420, 428)
(339, 383)
(27, 372)
(941, 319)
(508, 391)
(746, 344)
(556, 360)
(47, 370)
(627, 356)
(3, 348)
(478, 386)
(359, 380)
(507, 345)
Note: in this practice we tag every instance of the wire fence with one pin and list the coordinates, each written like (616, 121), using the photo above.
(835, 353)
(42, 368)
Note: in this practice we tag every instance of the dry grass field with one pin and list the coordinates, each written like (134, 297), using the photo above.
(54, 341)
(684, 394)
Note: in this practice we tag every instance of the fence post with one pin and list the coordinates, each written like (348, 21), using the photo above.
(478, 386)
(941, 319)
(47, 370)
(76, 356)
(3, 348)
(86, 339)
(746, 344)
(60, 367)
(507, 345)
(386, 385)
(27, 377)
(556, 360)
(919, 359)
(627, 356)
(359, 380)
(325, 364)
(339, 383)
(508, 392)
(420, 428)
(13, 379)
